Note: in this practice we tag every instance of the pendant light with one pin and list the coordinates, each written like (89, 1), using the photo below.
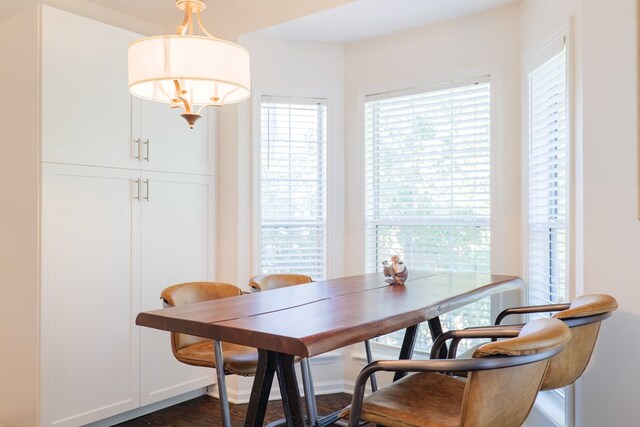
(189, 71)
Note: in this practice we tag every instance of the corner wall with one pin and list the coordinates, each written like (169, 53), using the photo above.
(609, 229)
(19, 219)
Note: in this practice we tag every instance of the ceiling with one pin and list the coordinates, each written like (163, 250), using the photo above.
(365, 19)
(224, 18)
(338, 21)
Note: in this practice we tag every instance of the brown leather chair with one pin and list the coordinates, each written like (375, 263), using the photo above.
(267, 282)
(197, 351)
(501, 388)
(584, 316)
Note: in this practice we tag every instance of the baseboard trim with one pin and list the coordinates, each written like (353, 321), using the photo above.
(239, 397)
(135, 413)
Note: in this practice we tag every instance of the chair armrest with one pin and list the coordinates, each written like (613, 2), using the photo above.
(480, 332)
(437, 365)
(531, 309)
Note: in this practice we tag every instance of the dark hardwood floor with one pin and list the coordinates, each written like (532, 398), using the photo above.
(205, 411)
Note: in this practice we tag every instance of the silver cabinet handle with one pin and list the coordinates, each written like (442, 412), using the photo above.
(136, 186)
(136, 149)
(147, 142)
(146, 194)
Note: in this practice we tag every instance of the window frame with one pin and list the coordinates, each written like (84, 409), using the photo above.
(453, 79)
(333, 191)
(550, 405)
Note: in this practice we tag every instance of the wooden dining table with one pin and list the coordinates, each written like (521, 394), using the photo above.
(309, 320)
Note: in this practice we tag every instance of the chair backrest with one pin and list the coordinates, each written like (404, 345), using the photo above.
(267, 282)
(583, 317)
(505, 396)
(192, 292)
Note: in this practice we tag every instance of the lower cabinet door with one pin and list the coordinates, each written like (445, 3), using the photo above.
(177, 246)
(89, 294)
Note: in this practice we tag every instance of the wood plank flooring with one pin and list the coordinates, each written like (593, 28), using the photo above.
(205, 411)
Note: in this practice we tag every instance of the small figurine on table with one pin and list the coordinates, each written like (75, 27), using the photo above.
(396, 271)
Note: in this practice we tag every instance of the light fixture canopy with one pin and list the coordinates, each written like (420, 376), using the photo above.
(189, 71)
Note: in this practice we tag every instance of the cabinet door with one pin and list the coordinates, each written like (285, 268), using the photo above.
(167, 143)
(90, 293)
(177, 246)
(86, 107)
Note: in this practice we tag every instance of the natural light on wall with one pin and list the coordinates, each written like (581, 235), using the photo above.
(293, 139)
(428, 185)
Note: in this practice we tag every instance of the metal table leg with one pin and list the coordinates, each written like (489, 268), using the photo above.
(309, 392)
(261, 388)
(222, 384)
(270, 363)
(435, 328)
(289, 390)
(406, 351)
(367, 349)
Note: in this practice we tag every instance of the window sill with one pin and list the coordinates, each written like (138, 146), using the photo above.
(550, 408)
(386, 352)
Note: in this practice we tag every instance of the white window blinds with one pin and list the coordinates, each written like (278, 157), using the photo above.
(547, 182)
(292, 186)
(428, 184)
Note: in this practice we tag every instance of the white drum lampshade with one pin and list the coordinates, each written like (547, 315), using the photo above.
(187, 70)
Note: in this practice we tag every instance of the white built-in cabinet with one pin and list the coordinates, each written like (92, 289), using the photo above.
(127, 208)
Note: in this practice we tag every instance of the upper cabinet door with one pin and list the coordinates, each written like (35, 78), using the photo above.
(166, 142)
(86, 106)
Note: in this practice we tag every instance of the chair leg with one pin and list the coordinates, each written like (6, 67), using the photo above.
(309, 393)
(222, 384)
(374, 382)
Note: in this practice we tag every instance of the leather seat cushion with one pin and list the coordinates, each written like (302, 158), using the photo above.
(238, 359)
(535, 337)
(589, 305)
(268, 282)
(423, 399)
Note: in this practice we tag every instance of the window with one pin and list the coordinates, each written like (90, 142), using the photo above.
(292, 175)
(547, 182)
(428, 186)
(547, 194)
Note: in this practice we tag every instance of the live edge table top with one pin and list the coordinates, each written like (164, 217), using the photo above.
(314, 318)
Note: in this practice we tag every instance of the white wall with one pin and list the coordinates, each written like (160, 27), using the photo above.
(540, 20)
(19, 219)
(609, 229)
